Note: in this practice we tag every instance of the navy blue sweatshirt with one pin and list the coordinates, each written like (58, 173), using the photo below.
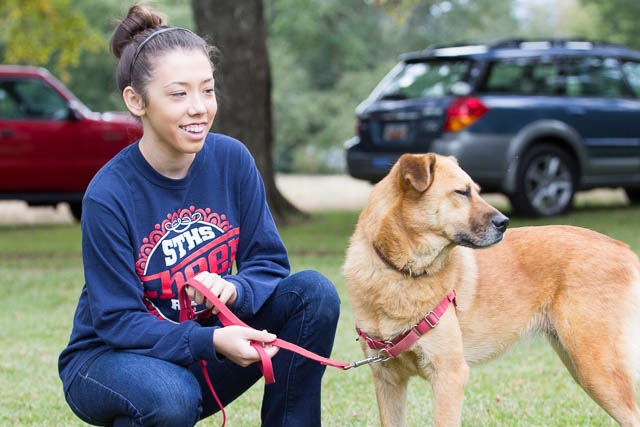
(144, 233)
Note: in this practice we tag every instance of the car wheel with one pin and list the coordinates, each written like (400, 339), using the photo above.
(546, 182)
(76, 209)
(633, 194)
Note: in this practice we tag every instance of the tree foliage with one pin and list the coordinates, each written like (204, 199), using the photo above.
(328, 55)
(617, 20)
(39, 32)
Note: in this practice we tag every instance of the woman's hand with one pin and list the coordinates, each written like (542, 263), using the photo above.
(234, 342)
(224, 290)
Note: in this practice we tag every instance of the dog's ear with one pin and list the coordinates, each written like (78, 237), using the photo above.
(416, 170)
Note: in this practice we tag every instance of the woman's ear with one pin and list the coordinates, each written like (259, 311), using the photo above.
(133, 101)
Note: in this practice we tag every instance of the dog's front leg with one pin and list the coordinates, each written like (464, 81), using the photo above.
(391, 394)
(450, 376)
(449, 371)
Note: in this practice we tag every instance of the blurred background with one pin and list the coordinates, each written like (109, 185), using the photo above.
(325, 56)
(322, 57)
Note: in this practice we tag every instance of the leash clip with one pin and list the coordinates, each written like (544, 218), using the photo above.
(382, 356)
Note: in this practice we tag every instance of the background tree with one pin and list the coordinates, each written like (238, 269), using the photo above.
(39, 32)
(238, 29)
(617, 20)
(555, 18)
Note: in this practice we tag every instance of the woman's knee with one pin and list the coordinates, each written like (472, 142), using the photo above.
(178, 402)
(134, 389)
(318, 292)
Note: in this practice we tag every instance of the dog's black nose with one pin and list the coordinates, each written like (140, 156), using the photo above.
(500, 222)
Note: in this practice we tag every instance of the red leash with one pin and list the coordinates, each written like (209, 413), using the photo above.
(227, 318)
(388, 349)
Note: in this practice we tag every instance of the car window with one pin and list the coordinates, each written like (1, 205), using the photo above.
(523, 76)
(8, 105)
(31, 99)
(425, 79)
(594, 76)
(632, 71)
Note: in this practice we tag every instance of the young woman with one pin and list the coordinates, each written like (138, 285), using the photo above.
(182, 203)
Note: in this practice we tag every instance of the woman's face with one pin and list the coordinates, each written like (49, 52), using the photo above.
(181, 103)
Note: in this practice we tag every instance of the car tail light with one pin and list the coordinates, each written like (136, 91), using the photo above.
(463, 112)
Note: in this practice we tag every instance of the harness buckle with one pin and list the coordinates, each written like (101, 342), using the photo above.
(372, 343)
(426, 319)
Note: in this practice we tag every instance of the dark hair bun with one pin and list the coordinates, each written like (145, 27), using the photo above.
(139, 18)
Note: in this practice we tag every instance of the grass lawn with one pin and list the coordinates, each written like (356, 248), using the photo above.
(41, 277)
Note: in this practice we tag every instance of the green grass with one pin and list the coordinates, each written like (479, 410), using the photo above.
(41, 276)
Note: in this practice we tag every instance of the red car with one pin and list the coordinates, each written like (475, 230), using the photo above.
(51, 145)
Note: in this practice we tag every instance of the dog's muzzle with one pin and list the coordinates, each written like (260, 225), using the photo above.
(484, 235)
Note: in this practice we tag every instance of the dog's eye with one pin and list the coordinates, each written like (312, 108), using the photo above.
(466, 193)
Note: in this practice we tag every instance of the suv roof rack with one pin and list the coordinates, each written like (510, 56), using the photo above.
(515, 42)
(570, 42)
(407, 56)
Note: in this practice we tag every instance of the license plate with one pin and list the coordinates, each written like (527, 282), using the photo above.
(396, 131)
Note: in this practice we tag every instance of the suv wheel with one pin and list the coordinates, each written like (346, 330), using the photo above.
(546, 182)
(633, 194)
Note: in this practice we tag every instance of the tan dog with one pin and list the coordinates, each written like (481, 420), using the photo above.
(579, 287)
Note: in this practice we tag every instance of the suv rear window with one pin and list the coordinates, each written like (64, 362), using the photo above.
(425, 79)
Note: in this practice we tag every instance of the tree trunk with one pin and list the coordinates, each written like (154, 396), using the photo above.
(243, 75)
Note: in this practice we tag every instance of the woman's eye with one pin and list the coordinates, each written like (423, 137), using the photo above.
(178, 94)
(209, 91)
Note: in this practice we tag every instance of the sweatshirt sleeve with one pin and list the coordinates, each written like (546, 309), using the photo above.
(115, 295)
(261, 258)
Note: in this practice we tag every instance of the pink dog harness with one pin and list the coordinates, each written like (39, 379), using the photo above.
(396, 345)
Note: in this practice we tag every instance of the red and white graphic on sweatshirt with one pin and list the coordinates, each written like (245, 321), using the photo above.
(187, 242)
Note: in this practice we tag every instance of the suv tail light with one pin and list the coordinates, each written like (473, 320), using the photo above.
(463, 112)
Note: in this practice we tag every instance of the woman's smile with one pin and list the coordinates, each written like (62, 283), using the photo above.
(196, 131)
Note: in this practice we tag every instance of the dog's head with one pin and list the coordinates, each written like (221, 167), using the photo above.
(435, 196)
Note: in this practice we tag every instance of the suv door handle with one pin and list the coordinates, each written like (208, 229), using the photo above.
(5, 133)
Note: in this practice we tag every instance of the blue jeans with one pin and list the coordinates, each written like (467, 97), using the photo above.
(122, 388)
